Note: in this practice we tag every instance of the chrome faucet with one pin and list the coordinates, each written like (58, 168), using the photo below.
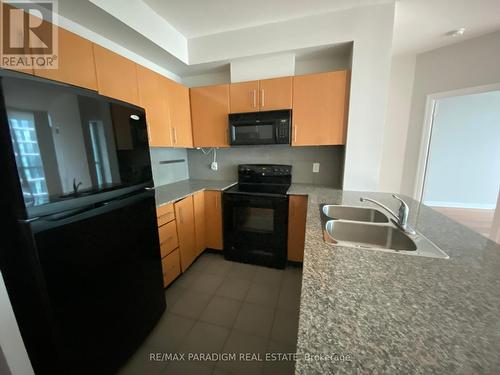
(402, 216)
(76, 186)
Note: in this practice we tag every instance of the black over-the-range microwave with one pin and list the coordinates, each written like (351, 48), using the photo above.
(260, 128)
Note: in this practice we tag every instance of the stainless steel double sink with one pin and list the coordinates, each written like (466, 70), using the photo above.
(369, 228)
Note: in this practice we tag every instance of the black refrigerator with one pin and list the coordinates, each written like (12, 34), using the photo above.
(79, 247)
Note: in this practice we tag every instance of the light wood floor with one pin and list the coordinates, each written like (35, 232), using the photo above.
(477, 219)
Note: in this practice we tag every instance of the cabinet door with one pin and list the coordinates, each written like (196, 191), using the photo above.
(180, 114)
(244, 97)
(213, 219)
(17, 32)
(320, 109)
(297, 214)
(184, 216)
(209, 110)
(199, 221)
(75, 62)
(275, 94)
(153, 99)
(116, 75)
(171, 267)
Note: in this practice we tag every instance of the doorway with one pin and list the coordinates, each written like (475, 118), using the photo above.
(462, 170)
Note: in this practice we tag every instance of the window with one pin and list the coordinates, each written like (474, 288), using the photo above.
(28, 159)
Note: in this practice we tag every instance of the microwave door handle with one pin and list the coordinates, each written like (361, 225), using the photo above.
(276, 134)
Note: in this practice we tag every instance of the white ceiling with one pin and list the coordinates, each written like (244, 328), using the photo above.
(194, 18)
(422, 25)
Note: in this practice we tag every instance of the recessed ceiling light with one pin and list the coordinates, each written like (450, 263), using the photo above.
(456, 32)
(134, 117)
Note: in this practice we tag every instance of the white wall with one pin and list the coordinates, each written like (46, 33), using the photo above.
(463, 168)
(470, 63)
(396, 125)
(370, 28)
(11, 342)
(262, 67)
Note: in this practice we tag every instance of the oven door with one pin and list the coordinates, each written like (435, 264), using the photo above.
(253, 133)
(255, 228)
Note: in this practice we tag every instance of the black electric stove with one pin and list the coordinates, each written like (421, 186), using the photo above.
(256, 215)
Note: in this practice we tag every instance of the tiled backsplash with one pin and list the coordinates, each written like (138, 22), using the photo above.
(169, 165)
(331, 159)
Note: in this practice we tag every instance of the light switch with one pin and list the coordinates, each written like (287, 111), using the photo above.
(315, 167)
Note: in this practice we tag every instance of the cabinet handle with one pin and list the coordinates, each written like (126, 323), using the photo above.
(295, 126)
(216, 201)
(175, 136)
(262, 97)
(254, 98)
(180, 215)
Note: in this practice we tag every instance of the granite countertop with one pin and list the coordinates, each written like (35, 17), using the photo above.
(172, 192)
(378, 312)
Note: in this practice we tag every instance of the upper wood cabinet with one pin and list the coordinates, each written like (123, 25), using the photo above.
(184, 215)
(213, 219)
(180, 114)
(116, 75)
(320, 108)
(75, 62)
(244, 97)
(263, 95)
(199, 221)
(275, 94)
(297, 214)
(153, 98)
(209, 110)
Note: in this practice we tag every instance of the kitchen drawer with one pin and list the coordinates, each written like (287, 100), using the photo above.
(171, 266)
(168, 238)
(165, 213)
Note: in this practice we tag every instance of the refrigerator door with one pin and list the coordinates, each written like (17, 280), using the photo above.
(102, 271)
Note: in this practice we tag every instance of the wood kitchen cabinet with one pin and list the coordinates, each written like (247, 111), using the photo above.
(180, 114)
(213, 218)
(199, 221)
(320, 104)
(244, 97)
(116, 75)
(169, 242)
(75, 61)
(297, 215)
(184, 215)
(209, 110)
(264, 95)
(153, 98)
(275, 93)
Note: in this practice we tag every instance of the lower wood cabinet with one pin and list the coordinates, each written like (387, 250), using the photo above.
(171, 267)
(184, 215)
(213, 217)
(297, 215)
(168, 238)
(199, 221)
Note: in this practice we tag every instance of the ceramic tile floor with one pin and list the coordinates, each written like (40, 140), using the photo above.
(219, 306)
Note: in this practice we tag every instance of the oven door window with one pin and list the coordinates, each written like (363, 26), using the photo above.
(262, 133)
(254, 219)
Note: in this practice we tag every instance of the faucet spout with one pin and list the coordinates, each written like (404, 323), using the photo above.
(401, 218)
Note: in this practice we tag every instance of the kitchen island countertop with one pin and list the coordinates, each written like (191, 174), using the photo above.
(366, 311)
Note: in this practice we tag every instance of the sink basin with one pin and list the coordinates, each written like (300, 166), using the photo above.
(354, 213)
(368, 228)
(368, 235)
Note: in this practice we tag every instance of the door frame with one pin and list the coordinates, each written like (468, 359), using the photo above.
(425, 142)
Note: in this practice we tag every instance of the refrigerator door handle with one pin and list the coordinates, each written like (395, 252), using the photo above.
(27, 221)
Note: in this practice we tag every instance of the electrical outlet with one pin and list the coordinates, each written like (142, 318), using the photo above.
(214, 166)
(315, 167)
